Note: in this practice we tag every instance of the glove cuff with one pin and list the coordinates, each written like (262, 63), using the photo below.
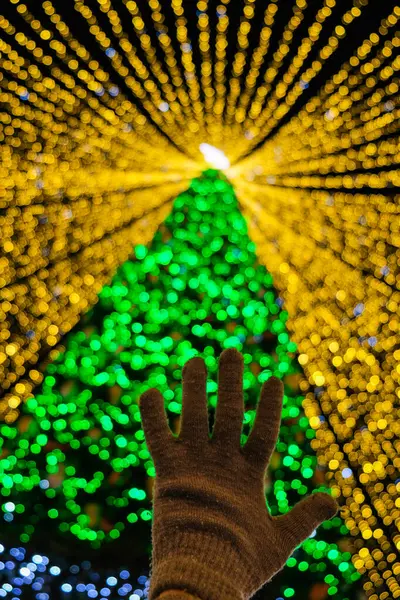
(202, 565)
(176, 595)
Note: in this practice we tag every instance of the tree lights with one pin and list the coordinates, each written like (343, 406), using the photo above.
(76, 465)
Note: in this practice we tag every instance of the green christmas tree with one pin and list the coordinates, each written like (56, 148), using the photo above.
(76, 475)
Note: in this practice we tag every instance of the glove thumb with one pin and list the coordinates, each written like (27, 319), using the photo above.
(298, 524)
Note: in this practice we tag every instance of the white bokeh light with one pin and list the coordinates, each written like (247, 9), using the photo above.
(214, 156)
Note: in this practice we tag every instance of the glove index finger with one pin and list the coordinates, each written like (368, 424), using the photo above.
(155, 423)
(264, 434)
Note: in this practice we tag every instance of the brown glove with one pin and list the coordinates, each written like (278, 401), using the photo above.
(213, 537)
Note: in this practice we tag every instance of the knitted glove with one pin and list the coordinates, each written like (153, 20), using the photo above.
(176, 595)
(213, 537)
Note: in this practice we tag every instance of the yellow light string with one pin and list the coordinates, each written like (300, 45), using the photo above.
(38, 120)
(256, 63)
(214, 121)
(74, 280)
(325, 117)
(353, 104)
(273, 69)
(145, 74)
(150, 98)
(189, 68)
(206, 59)
(361, 81)
(44, 119)
(61, 158)
(314, 32)
(367, 156)
(274, 112)
(94, 83)
(82, 54)
(99, 119)
(240, 57)
(177, 89)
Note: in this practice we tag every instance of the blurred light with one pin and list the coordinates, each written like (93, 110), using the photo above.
(214, 156)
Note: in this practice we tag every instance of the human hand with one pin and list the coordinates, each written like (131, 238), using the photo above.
(213, 536)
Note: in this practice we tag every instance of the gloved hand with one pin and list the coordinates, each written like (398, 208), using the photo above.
(213, 536)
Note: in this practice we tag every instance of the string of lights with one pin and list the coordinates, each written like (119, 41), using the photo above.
(70, 258)
(203, 24)
(345, 120)
(219, 68)
(256, 62)
(146, 92)
(241, 110)
(256, 109)
(177, 78)
(188, 67)
(239, 61)
(276, 110)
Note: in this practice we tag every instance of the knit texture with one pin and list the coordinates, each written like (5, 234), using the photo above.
(176, 595)
(213, 537)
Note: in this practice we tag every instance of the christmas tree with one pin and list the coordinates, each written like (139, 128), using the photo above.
(76, 475)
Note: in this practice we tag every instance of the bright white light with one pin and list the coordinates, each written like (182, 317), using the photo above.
(214, 157)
